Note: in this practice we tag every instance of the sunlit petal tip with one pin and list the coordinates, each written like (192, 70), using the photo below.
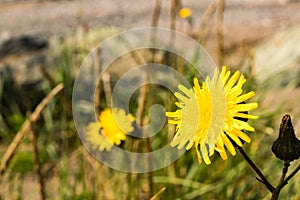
(248, 141)
(189, 146)
(186, 91)
(207, 160)
(196, 81)
(181, 97)
(199, 160)
(172, 144)
(223, 69)
(172, 121)
(131, 118)
(169, 114)
(223, 155)
(250, 129)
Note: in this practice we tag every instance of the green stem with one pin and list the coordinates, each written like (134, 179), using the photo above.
(284, 171)
(257, 170)
(291, 175)
(284, 181)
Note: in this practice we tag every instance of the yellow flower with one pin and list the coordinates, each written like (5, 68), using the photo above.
(112, 127)
(185, 13)
(209, 116)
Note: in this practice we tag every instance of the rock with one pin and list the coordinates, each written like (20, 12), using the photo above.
(22, 56)
(23, 44)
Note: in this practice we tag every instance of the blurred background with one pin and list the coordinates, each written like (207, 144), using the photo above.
(43, 43)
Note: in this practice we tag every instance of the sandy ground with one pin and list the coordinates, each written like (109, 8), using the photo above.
(245, 22)
(243, 19)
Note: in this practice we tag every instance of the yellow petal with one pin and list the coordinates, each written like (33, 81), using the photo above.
(228, 144)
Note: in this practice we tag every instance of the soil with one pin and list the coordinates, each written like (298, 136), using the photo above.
(242, 20)
(245, 22)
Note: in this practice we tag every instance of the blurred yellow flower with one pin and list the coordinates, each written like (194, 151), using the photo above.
(112, 127)
(211, 116)
(185, 12)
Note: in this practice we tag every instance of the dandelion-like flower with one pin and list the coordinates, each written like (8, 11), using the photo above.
(111, 128)
(185, 13)
(210, 116)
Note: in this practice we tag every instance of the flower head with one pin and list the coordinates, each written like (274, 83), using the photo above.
(210, 116)
(112, 127)
(185, 13)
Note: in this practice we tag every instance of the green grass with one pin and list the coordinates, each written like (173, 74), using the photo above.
(71, 173)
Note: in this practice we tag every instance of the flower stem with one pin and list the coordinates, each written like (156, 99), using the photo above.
(284, 181)
(257, 170)
(284, 171)
(293, 173)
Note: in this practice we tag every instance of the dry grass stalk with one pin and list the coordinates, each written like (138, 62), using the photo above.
(159, 193)
(204, 29)
(156, 13)
(139, 60)
(26, 127)
(219, 31)
(141, 101)
(97, 70)
(63, 98)
(140, 121)
(136, 55)
(107, 88)
(37, 166)
(175, 6)
(154, 23)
